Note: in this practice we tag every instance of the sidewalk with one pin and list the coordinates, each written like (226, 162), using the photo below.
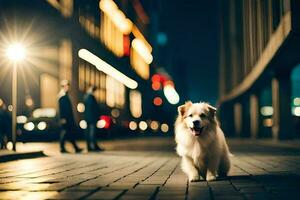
(246, 145)
(21, 153)
(148, 168)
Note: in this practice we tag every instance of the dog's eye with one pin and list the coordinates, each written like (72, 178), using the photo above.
(202, 115)
(191, 115)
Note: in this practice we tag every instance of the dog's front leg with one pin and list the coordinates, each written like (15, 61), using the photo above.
(212, 169)
(201, 165)
(190, 169)
(202, 169)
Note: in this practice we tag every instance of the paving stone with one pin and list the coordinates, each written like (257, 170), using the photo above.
(69, 195)
(145, 175)
(105, 194)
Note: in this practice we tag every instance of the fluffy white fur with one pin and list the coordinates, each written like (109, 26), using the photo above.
(204, 151)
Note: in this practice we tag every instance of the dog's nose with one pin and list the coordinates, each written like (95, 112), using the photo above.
(196, 123)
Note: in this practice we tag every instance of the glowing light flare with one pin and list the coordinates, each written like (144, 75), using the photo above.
(108, 121)
(297, 101)
(107, 6)
(22, 119)
(137, 33)
(123, 23)
(116, 15)
(154, 125)
(16, 52)
(155, 78)
(156, 85)
(106, 68)
(44, 112)
(80, 107)
(266, 110)
(169, 82)
(157, 101)
(132, 125)
(171, 94)
(9, 145)
(164, 128)
(297, 111)
(143, 125)
(268, 122)
(83, 124)
(10, 108)
(29, 126)
(42, 125)
(101, 123)
(142, 50)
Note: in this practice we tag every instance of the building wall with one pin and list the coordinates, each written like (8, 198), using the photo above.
(258, 39)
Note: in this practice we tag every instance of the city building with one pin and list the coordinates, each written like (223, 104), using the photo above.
(259, 68)
(102, 43)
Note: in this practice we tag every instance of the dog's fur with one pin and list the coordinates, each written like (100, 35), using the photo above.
(203, 149)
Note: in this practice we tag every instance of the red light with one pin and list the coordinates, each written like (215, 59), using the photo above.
(169, 83)
(156, 85)
(126, 45)
(155, 78)
(108, 121)
(157, 101)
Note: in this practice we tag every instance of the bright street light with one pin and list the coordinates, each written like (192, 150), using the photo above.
(16, 53)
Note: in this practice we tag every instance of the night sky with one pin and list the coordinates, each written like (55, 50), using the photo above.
(192, 28)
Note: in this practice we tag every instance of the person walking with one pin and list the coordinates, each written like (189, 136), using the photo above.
(5, 122)
(91, 114)
(67, 121)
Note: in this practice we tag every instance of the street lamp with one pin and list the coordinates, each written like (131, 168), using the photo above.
(16, 53)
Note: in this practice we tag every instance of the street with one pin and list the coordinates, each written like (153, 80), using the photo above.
(148, 168)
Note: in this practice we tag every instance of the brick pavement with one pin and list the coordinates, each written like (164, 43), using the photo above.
(149, 175)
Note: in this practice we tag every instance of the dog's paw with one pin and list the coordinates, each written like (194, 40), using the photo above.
(194, 178)
(211, 178)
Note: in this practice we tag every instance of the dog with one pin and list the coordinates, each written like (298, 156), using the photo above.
(201, 142)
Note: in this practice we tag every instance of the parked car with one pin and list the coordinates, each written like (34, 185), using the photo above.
(42, 125)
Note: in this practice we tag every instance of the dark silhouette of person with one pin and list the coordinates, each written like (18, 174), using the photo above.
(91, 115)
(5, 124)
(67, 121)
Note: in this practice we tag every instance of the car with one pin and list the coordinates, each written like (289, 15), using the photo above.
(41, 126)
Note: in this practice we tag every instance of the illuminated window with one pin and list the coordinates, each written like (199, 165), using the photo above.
(110, 97)
(102, 87)
(87, 76)
(140, 54)
(81, 76)
(48, 91)
(135, 98)
(97, 84)
(115, 93)
(92, 78)
(65, 60)
(114, 25)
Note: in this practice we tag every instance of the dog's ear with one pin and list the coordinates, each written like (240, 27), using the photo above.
(212, 110)
(183, 108)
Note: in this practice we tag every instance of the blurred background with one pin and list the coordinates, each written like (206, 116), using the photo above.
(149, 56)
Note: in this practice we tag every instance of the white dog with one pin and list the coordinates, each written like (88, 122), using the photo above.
(201, 142)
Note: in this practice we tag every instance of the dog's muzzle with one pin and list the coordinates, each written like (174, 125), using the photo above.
(197, 129)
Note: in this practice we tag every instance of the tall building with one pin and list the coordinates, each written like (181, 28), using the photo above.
(102, 43)
(259, 68)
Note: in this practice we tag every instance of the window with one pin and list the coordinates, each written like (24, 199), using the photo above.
(135, 99)
(115, 93)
